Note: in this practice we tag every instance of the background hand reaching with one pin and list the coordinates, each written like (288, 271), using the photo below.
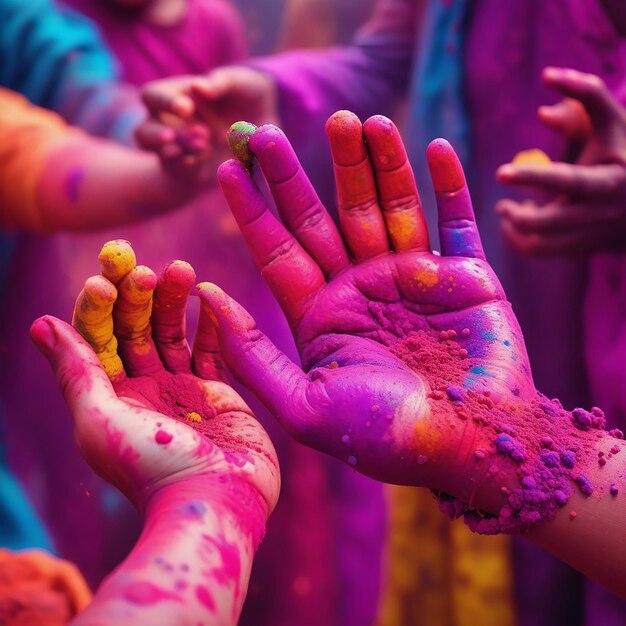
(589, 210)
(189, 115)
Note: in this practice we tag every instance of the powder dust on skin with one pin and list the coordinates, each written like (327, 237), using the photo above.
(540, 437)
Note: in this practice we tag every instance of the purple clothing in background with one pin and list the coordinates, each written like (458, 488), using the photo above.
(507, 46)
(210, 34)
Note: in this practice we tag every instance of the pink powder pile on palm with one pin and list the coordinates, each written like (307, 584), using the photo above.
(543, 440)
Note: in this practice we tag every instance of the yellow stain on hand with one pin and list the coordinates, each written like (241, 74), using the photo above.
(194, 417)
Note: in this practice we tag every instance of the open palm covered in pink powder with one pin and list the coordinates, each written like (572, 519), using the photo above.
(414, 369)
(363, 305)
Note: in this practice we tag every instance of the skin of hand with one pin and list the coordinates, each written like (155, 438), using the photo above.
(188, 116)
(350, 294)
(88, 184)
(39, 589)
(387, 283)
(588, 213)
(135, 390)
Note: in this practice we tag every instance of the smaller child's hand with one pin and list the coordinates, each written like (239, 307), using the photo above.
(589, 211)
(149, 412)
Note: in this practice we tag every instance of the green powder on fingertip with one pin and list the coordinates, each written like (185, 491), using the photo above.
(238, 139)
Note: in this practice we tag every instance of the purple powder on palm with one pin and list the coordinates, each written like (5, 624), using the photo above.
(550, 459)
(584, 484)
(568, 459)
(455, 393)
(582, 419)
(560, 497)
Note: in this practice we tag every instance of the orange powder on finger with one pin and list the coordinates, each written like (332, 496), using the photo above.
(534, 156)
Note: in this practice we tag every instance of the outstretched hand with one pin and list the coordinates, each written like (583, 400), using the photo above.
(188, 116)
(588, 213)
(376, 315)
(149, 412)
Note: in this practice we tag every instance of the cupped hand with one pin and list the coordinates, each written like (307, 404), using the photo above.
(149, 412)
(376, 315)
(188, 116)
(588, 213)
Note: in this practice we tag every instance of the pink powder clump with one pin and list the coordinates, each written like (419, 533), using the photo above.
(541, 438)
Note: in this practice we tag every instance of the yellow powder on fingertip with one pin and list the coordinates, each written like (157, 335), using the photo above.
(116, 258)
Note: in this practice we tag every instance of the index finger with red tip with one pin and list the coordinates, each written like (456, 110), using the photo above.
(458, 233)
(361, 219)
(291, 273)
(397, 192)
(298, 204)
(168, 316)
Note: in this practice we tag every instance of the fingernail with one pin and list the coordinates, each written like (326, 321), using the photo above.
(43, 334)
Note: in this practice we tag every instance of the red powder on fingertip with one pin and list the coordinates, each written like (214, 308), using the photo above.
(445, 169)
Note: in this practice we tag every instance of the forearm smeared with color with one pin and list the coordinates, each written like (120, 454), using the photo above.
(192, 563)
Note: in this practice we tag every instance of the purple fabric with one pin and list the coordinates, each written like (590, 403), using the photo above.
(507, 45)
(210, 34)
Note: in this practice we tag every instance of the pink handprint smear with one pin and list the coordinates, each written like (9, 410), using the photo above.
(145, 593)
(544, 458)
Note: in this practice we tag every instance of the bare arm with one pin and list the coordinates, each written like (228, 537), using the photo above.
(88, 184)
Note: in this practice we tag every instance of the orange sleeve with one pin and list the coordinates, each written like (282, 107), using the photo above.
(27, 135)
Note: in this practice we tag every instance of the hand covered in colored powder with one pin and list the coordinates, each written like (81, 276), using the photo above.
(158, 421)
(189, 116)
(147, 410)
(363, 302)
(589, 211)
